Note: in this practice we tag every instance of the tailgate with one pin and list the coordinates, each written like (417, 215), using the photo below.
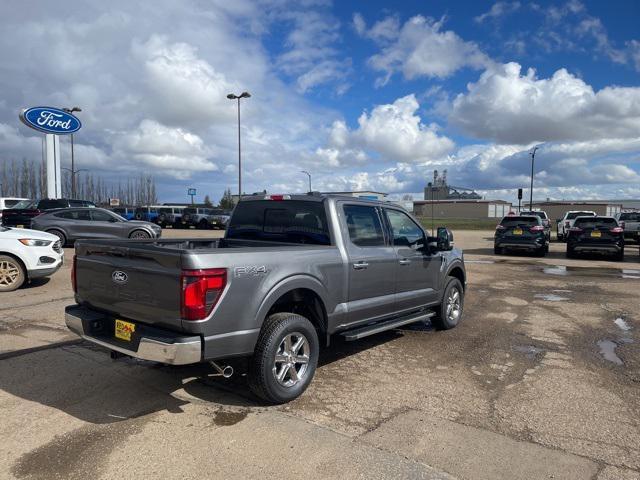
(133, 280)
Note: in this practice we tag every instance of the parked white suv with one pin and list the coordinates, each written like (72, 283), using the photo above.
(25, 255)
(566, 222)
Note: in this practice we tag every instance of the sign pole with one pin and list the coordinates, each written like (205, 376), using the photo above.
(52, 154)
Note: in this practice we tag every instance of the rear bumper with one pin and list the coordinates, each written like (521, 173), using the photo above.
(157, 346)
(521, 246)
(609, 248)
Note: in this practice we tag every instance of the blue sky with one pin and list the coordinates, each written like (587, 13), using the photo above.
(364, 95)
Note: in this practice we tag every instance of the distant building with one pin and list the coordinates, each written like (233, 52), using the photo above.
(472, 209)
(440, 190)
(556, 208)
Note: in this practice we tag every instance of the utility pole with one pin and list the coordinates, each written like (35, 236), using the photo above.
(533, 158)
(73, 169)
(232, 96)
(309, 175)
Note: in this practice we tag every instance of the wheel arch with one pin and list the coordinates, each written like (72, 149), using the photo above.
(58, 229)
(301, 294)
(459, 273)
(18, 259)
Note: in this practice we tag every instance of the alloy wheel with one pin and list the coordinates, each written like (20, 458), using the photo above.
(291, 360)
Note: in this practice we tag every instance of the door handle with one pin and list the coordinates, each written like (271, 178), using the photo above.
(360, 265)
(404, 261)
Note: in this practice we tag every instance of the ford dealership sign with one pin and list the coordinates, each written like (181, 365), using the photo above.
(50, 120)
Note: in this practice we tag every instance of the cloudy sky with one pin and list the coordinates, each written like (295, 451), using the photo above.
(364, 95)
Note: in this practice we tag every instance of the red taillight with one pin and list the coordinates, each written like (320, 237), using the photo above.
(616, 230)
(500, 227)
(537, 228)
(201, 290)
(74, 282)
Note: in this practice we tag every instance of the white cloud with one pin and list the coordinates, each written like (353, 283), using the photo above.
(498, 10)
(395, 133)
(186, 88)
(508, 107)
(420, 48)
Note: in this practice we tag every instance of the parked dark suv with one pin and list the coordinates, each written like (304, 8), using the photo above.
(521, 233)
(596, 235)
(546, 223)
(21, 214)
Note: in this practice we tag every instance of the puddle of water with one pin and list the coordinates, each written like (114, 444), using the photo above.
(555, 270)
(529, 350)
(550, 297)
(622, 325)
(608, 351)
(562, 270)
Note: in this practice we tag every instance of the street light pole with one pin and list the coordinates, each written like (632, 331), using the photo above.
(232, 96)
(73, 170)
(533, 158)
(309, 175)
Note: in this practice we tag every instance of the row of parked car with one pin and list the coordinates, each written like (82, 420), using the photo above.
(583, 232)
(177, 216)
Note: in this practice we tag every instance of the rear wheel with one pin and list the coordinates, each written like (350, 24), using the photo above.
(12, 274)
(60, 235)
(449, 313)
(497, 250)
(571, 253)
(619, 257)
(139, 234)
(203, 224)
(285, 359)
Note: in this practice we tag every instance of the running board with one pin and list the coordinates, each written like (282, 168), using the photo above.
(372, 329)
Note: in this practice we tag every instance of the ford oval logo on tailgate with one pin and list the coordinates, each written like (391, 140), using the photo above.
(119, 277)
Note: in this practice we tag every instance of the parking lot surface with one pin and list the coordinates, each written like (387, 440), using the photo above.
(541, 380)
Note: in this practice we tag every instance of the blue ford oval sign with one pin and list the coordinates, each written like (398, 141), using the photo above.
(50, 120)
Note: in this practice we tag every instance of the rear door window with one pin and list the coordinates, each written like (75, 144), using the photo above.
(365, 228)
(50, 204)
(73, 215)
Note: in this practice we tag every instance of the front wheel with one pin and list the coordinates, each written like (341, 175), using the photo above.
(12, 274)
(285, 358)
(449, 313)
(60, 235)
(139, 235)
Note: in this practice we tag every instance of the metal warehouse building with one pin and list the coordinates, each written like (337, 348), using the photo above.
(557, 209)
(471, 209)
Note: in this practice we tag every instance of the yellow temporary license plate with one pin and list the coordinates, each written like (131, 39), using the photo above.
(596, 234)
(517, 231)
(19, 226)
(124, 330)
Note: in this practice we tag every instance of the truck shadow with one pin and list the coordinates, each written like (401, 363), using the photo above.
(82, 381)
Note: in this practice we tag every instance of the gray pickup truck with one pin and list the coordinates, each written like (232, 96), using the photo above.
(291, 271)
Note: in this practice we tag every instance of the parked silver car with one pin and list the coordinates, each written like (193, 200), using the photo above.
(72, 224)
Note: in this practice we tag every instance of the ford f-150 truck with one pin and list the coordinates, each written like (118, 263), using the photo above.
(291, 271)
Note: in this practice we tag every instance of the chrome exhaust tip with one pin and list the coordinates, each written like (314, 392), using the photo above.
(224, 372)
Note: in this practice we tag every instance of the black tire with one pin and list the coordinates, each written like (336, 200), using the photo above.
(541, 252)
(571, 253)
(497, 250)
(203, 224)
(12, 274)
(263, 365)
(139, 234)
(619, 257)
(138, 216)
(60, 235)
(442, 320)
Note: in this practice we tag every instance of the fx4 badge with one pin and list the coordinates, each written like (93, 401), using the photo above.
(250, 270)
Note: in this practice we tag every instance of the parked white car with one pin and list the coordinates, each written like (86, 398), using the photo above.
(25, 255)
(566, 222)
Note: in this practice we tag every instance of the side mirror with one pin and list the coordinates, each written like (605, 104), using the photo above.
(444, 239)
(419, 244)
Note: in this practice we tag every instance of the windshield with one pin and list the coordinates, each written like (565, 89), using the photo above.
(289, 221)
(573, 215)
(596, 222)
(24, 204)
(520, 221)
